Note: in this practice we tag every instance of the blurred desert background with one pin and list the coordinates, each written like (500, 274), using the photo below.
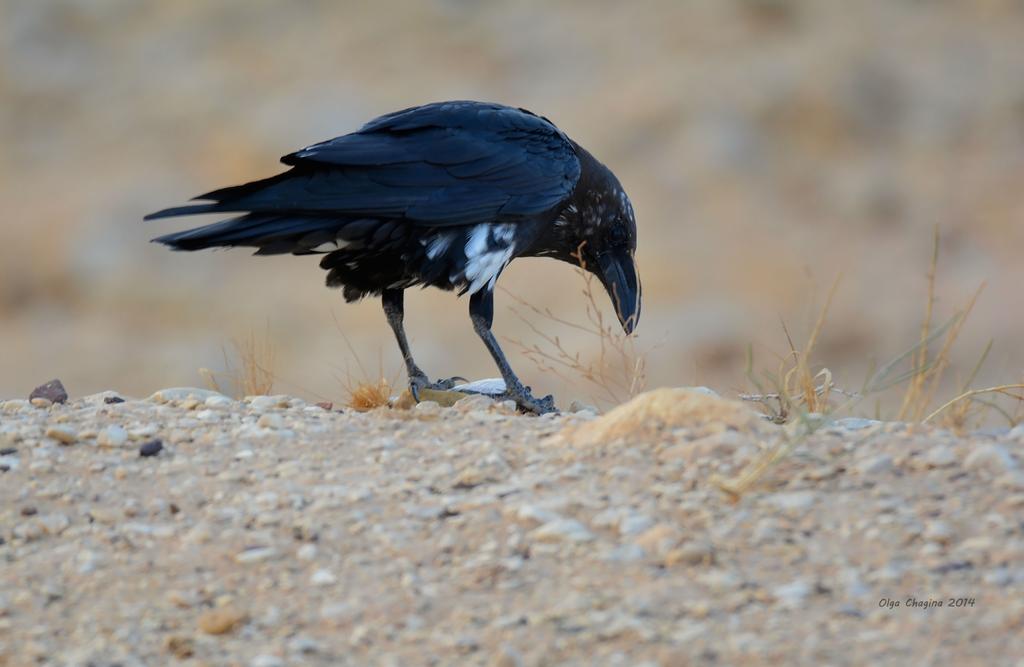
(767, 145)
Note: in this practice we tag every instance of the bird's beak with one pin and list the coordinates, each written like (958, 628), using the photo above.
(617, 272)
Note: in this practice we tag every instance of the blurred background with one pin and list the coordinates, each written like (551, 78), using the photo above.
(767, 145)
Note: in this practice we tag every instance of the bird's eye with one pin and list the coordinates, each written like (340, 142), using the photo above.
(617, 235)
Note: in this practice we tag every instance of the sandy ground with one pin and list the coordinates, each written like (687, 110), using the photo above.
(273, 532)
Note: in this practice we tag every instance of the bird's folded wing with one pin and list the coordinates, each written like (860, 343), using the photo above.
(435, 167)
(438, 165)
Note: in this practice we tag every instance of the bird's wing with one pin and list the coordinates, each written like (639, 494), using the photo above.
(453, 163)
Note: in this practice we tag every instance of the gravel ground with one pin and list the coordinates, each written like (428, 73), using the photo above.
(274, 532)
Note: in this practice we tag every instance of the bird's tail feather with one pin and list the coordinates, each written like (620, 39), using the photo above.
(272, 233)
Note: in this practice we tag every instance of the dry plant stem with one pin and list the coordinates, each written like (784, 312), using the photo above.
(257, 363)
(1004, 389)
(364, 393)
(921, 358)
(617, 373)
(256, 375)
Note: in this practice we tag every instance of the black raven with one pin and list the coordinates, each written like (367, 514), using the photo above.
(444, 194)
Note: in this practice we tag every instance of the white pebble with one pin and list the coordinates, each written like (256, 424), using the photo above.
(792, 594)
(795, 500)
(266, 660)
(323, 578)
(270, 420)
(634, 524)
(218, 401)
(940, 456)
(112, 436)
(938, 532)
(569, 530)
(255, 555)
(427, 408)
(63, 434)
(874, 465)
(990, 457)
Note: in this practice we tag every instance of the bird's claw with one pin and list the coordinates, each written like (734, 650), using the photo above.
(527, 403)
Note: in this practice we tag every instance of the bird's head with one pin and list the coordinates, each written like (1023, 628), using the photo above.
(607, 239)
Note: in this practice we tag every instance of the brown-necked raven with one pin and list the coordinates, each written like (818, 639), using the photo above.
(444, 194)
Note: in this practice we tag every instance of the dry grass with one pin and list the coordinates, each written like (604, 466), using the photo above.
(252, 374)
(928, 371)
(364, 391)
(366, 395)
(802, 393)
(617, 373)
(798, 387)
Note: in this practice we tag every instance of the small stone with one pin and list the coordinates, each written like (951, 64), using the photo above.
(563, 529)
(306, 552)
(536, 513)
(178, 394)
(208, 415)
(874, 465)
(41, 402)
(266, 660)
(691, 553)
(579, 406)
(218, 401)
(325, 405)
(940, 456)
(336, 612)
(53, 391)
(853, 424)
(111, 400)
(151, 448)
(8, 451)
(990, 457)
(792, 594)
(270, 420)
(938, 532)
(323, 578)
(473, 403)
(54, 524)
(62, 434)
(507, 657)
(303, 645)
(180, 647)
(112, 436)
(626, 553)
(255, 555)
(634, 524)
(794, 501)
(221, 620)
(28, 510)
(16, 405)
(428, 408)
(659, 539)
(264, 403)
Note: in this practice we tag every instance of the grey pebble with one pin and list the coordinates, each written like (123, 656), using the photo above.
(151, 448)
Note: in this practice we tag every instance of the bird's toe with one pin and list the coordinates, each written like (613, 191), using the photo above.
(448, 383)
(527, 403)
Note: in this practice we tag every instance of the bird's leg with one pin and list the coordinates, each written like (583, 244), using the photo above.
(394, 309)
(481, 311)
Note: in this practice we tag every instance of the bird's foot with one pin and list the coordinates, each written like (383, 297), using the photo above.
(419, 382)
(527, 403)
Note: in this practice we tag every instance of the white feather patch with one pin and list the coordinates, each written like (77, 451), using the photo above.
(484, 261)
(439, 245)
